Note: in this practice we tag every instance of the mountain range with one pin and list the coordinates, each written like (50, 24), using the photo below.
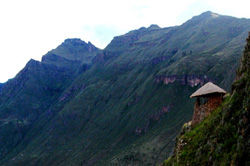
(123, 105)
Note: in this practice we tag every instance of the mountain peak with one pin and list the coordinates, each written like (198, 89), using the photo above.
(32, 62)
(154, 26)
(71, 49)
(202, 18)
(208, 14)
(74, 41)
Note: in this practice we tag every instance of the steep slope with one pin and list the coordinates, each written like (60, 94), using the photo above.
(130, 105)
(32, 92)
(223, 138)
(1, 85)
(204, 40)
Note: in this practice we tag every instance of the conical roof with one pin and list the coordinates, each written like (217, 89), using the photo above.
(208, 88)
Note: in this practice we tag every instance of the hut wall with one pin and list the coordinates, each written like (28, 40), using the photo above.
(203, 110)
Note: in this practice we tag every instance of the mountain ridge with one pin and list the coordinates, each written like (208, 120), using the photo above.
(113, 107)
(33, 90)
(73, 49)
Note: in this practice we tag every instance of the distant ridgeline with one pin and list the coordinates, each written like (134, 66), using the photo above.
(125, 104)
(223, 137)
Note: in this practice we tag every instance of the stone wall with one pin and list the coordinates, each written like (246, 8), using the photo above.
(203, 110)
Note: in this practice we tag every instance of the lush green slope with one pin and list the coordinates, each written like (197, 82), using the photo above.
(130, 104)
(31, 93)
(223, 138)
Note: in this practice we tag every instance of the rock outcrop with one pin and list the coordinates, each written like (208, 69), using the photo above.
(191, 80)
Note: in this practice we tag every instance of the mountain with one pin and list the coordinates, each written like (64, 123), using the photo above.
(35, 88)
(1, 85)
(121, 105)
(223, 137)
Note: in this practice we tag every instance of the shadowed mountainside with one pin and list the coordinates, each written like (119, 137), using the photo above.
(1, 85)
(34, 89)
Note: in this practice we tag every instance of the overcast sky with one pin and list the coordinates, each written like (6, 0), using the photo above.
(31, 28)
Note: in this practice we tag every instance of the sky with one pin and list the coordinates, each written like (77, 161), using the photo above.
(31, 28)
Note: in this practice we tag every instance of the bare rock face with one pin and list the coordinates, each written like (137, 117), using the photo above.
(191, 80)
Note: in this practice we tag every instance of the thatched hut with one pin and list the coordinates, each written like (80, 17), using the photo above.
(208, 98)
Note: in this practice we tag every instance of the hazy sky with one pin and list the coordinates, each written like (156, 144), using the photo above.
(31, 28)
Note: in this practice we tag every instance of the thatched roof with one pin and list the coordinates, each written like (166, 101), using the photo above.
(208, 88)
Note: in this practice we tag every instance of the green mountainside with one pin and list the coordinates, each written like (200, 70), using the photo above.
(32, 92)
(121, 105)
(1, 85)
(223, 137)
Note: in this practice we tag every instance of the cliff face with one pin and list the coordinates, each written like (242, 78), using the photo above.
(223, 137)
(191, 80)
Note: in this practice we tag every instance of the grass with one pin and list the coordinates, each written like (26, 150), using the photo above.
(222, 138)
(104, 108)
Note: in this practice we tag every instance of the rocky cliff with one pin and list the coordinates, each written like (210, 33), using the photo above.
(191, 80)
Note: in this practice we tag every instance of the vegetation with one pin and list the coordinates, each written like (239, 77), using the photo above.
(1, 85)
(223, 137)
(85, 106)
